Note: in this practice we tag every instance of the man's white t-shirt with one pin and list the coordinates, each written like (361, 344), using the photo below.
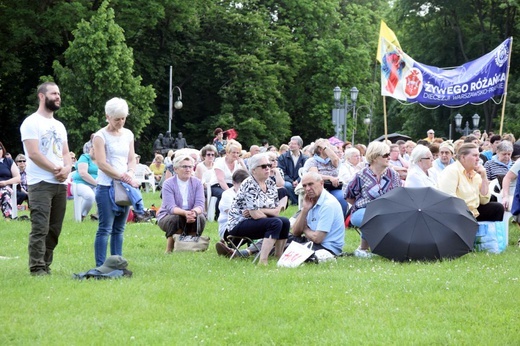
(51, 136)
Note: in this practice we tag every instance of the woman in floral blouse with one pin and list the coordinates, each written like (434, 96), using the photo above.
(256, 209)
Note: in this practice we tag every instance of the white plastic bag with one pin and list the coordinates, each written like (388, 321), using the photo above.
(324, 256)
(295, 254)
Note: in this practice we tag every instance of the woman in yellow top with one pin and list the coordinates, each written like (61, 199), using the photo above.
(467, 179)
(157, 167)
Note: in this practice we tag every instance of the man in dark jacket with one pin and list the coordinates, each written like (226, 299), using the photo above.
(290, 162)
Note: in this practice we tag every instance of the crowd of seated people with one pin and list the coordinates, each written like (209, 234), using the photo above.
(353, 175)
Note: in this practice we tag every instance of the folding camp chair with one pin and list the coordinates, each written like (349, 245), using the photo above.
(236, 242)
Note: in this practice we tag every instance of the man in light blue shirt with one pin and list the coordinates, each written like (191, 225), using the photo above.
(321, 218)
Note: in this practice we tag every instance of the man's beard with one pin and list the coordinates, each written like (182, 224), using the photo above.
(51, 105)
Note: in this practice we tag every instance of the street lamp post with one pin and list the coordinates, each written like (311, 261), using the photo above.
(466, 130)
(340, 111)
(368, 122)
(177, 104)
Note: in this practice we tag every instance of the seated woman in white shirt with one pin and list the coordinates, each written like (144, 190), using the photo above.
(351, 165)
(421, 160)
(227, 198)
(205, 167)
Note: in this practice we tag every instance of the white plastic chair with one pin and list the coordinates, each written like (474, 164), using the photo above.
(14, 202)
(148, 182)
(507, 214)
(211, 202)
(301, 172)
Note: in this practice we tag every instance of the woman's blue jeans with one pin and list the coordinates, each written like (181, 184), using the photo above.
(357, 217)
(110, 225)
(338, 193)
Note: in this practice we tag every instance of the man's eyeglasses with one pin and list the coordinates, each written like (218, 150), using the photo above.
(385, 156)
(210, 154)
(20, 161)
(266, 166)
(186, 167)
(427, 158)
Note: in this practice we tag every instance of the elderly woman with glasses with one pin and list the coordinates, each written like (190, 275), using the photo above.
(277, 176)
(9, 175)
(500, 163)
(255, 212)
(21, 190)
(204, 168)
(372, 182)
(326, 163)
(350, 166)
(183, 202)
(420, 162)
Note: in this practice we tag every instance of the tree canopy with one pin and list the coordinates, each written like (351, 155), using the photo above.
(98, 66)
(265, 68)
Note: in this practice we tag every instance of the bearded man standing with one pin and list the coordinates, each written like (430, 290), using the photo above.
(48, 165)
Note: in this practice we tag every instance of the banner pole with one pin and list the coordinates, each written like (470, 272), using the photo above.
(505, 88)
(384, 116)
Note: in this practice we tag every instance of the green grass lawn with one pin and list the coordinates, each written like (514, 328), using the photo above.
(201, 298)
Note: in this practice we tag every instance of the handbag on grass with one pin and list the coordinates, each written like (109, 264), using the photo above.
(491, 236)
(184, 242)
(121, 194)
(295, 254)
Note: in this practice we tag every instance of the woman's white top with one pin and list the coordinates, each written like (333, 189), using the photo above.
(117, 149)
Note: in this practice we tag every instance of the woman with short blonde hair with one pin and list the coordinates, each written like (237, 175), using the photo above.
(115, 157)
(372, 182)
(224, 168)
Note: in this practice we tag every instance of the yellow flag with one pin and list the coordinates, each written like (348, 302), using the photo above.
(389, 35)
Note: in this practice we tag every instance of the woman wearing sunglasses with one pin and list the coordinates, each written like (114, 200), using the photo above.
(255, 211)
(419, 175)
(373, 181)
(21, 191)
(205, 167)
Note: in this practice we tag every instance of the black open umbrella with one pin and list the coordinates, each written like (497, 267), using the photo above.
(393, 137)
(419, 224)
